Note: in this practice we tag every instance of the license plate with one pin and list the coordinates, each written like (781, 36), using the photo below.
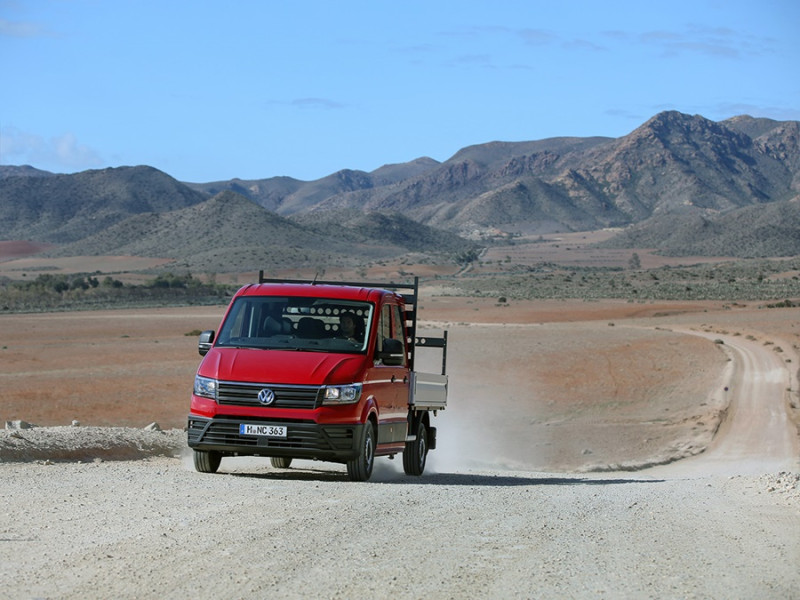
(273, 431)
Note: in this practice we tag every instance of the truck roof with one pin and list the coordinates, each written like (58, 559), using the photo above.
(338, 292)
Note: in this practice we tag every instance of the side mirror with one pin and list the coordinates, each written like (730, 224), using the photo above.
(205, 342)
(392, 352)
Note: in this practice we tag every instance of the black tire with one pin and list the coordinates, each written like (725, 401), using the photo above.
(281, 462)
(360, 468)
(416, 453)
(207, 462)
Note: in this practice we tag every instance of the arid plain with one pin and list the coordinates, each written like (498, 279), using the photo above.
(549, 385)
(534, 384)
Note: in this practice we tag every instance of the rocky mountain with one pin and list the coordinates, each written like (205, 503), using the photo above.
(230, 231)
(721, 179)
(67, 208)
(390, 229)
(672, 163)
(22, 171)
(757, 231)
(210, 224)
(287, 196)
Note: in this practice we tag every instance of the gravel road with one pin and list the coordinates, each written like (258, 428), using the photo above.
(153, 528)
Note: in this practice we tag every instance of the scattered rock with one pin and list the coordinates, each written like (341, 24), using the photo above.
(19, 425)
(784, 485)
(89, 443)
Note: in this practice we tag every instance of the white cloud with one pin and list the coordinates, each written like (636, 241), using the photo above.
(624, 113)
(715, 42)
(309, 103)
(21, 29)
(324, 103)
(536, 37)
(480, 60)
(71, 153)
(57, 153)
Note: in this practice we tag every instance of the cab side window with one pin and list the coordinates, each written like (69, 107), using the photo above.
(398, 331)
(384, 326)
(391, 336)
(390, 328)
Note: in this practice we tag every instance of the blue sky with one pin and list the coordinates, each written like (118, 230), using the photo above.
(209, 91)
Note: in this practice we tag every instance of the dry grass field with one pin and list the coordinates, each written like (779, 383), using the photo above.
(573, 250)
(539, 384)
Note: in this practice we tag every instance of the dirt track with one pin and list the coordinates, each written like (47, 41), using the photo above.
(757, 435)
(723, 524)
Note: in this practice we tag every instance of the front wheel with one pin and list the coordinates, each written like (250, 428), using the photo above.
(207, 462)
(281, 462)
(360, 468)
(416, 453)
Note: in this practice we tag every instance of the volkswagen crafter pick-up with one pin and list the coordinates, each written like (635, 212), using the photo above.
(316, 370)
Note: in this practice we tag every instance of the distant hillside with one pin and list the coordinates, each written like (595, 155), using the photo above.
(22, 171)
(752, 232)
(230, 232)
(212, 223)
(674, 178)
(396, 230)
(288, 196)
(494, 155)
(752, 127)
(67, 208)
(670, 163)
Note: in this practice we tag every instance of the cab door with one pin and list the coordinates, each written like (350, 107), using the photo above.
(391, 380)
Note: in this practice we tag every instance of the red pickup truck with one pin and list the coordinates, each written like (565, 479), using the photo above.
(316, 370)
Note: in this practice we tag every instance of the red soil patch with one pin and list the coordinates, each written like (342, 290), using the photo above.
(18, 249)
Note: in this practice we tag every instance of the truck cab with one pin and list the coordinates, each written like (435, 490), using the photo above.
(316, 370)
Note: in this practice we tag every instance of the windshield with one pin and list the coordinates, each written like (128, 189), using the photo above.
(291, 323)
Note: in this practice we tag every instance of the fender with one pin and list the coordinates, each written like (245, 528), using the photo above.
(370, 408)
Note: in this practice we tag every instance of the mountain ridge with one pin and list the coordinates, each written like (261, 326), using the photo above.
(674, 165)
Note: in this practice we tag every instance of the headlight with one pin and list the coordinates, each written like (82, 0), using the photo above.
(341, 394)
(205, 387)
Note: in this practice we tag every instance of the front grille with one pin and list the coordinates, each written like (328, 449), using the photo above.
(300, 435)
(286, 396)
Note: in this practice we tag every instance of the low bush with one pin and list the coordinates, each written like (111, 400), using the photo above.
(85, 291)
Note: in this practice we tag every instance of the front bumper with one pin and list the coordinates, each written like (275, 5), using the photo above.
(304, 439)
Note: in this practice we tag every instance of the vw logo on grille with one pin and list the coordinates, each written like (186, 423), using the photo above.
(266, 396)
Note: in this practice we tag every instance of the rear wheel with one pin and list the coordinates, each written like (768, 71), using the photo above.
(207, 462)
(360, 468)
(281, 462)
(416, 453)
